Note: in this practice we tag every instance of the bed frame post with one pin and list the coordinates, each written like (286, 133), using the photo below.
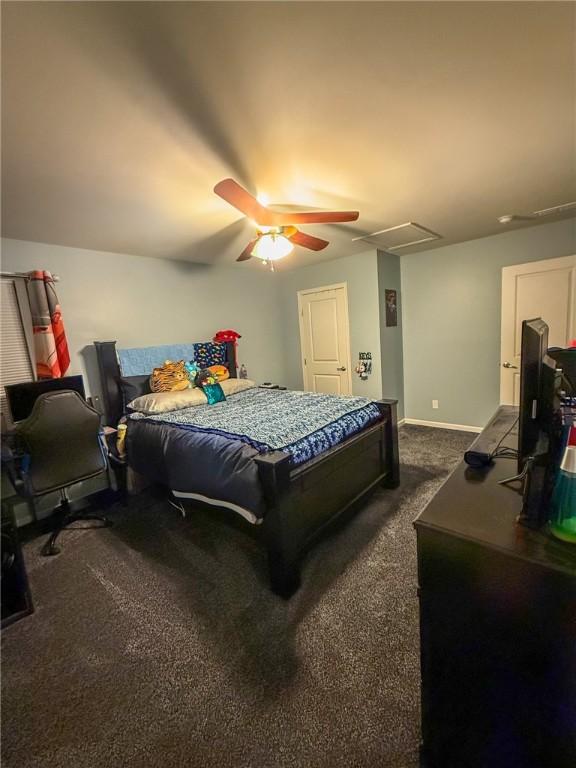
(109, 381)
(389, 408)
(231, 359)
(274, 472)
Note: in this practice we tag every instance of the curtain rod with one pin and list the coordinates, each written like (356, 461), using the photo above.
(25, 275)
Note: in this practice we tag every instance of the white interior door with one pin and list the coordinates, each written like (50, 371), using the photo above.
(545, 289)
(325, 339)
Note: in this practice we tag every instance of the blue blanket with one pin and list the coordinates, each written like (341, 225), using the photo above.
(141, 361)
(304, 424)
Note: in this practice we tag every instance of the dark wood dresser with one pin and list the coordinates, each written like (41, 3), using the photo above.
(497, 628)
(16, 601)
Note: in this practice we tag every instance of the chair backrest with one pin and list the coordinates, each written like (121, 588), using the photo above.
(61, 437)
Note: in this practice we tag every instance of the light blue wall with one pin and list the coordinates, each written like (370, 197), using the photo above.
(451, 319)
(391, 352)
(141, 301)
(360, 273)
(448, 340)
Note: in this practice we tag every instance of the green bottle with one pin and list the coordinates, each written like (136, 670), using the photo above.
(563, 519)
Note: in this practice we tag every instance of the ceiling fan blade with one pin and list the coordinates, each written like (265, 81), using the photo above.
(308, 241)
(233, 193)
(247, 252)
(315, 217)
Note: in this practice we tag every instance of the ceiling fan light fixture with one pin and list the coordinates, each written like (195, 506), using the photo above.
(271, 247)
(276, 231)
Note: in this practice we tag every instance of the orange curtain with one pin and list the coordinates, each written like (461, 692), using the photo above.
(50, 344)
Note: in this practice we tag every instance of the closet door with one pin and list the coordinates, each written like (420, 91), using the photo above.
(325, 340)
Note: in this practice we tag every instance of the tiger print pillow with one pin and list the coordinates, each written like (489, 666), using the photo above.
(171, 377)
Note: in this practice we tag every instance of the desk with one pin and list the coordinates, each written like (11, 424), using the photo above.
(16, 600)
(497, 629)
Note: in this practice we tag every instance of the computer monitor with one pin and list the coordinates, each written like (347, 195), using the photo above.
(537, 376)
(566, 360)
(21, 397)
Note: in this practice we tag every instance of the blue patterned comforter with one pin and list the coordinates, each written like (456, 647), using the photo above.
(304, 424)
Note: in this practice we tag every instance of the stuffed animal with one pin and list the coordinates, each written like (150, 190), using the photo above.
(192, 369)
(220, 372)
(205, 377)
(171, 377)
(208, 381)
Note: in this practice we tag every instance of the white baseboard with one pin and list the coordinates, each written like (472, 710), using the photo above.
(442, 425)
(402, 421)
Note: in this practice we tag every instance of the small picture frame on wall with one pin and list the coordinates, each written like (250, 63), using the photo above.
(391, 298)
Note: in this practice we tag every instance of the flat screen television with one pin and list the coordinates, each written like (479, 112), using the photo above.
(537, 376)
(21, 397)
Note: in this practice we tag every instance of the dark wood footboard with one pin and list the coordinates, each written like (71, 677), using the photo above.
(303, 503)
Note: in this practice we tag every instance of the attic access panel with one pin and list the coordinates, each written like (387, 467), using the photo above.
(400, 236)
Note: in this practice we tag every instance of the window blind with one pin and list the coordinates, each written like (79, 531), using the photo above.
(15, 360)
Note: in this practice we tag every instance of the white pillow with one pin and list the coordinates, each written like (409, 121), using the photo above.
(233, 386)
(162, 402)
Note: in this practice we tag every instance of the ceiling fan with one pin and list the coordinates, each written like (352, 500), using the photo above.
(276, 231)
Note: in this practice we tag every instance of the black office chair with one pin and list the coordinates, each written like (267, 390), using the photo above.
(62, 445)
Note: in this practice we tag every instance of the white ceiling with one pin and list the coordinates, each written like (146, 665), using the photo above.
(119, 118)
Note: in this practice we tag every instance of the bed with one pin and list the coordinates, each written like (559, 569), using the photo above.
(319, 476)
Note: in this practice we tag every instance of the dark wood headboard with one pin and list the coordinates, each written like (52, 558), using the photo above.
(110, 378)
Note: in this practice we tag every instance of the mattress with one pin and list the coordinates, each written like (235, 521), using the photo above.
(208, 451)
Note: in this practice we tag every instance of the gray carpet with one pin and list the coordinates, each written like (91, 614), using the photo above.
(158, 643)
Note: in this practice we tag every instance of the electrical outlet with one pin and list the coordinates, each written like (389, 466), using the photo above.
(434, 403)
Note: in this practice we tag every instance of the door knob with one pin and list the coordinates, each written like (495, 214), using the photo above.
(343, 368)
(508, 365)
